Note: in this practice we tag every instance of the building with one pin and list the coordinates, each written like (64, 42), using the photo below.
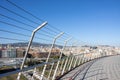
(0, 53)
(19, 52)
(9, 53)
(0, 50)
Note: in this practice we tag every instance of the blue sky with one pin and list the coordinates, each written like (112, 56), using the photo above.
(91, 21)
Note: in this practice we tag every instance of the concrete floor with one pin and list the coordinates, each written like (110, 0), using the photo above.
(107, 68)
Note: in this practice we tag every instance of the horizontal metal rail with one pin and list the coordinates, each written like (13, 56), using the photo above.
(28, 68)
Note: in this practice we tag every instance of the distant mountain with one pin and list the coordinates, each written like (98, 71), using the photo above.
(24, 44)
(105, 45)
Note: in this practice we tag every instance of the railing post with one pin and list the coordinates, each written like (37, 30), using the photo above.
(54, 40)
(90, 56)
(65, 65)
(83, 58)
(50, 71)
(60, 58)
(66, 61)
(29, 44)
(76, 61)
(34, 71)
(71, 63)
(62, 64)
(71, 56)
(79, 60)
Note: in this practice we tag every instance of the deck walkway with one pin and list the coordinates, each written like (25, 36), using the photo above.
(107, 68)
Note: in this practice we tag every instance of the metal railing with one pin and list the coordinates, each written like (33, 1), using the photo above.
(59, 51)
(68, 63)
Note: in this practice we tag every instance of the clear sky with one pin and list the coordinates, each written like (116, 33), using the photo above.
(92, 21)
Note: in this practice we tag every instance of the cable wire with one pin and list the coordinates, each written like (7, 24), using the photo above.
(29, 20)
(19, 15)
(16, 33)
(12, 39)
(25, 18)
(23, 28)
(16, 20)
(31, 14)
(15, 26)
(23, 23)
(24, 10)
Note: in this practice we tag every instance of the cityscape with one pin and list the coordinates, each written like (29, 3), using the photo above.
(12, 56)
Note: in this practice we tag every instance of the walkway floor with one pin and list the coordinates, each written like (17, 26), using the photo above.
(107, 68)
